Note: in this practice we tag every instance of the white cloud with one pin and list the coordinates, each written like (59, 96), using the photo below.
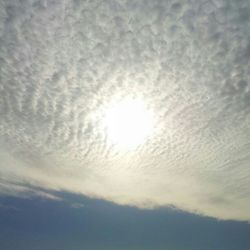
(77, 205)
(25, 191)
(63, 62)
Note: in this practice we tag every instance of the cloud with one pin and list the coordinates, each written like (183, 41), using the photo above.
(77, 205)
(25, 191)
(62, 63)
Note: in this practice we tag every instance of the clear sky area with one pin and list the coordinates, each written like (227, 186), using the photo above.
(81, 223)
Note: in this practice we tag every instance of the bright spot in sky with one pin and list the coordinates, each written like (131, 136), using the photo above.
(129, 123)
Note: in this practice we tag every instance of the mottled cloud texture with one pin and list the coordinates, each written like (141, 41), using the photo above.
(62, 63)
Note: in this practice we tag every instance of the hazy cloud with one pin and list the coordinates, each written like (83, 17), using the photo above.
(62, 63)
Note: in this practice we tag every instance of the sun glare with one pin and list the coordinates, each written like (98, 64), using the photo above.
(128, 123)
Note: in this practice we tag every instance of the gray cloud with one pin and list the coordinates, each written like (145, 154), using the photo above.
(62, 63)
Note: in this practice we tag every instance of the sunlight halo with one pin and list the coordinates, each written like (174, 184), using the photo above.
(128, 123)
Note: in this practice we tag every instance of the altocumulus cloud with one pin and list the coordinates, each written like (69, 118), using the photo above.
(63, 62)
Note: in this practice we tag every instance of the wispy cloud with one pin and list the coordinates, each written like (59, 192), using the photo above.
(77, 205)
(63, 62)
(24, 190)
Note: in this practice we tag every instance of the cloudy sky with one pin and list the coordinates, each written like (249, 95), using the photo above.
(142, 105)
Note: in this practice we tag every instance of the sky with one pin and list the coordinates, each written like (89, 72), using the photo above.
(78, 222)
(136, 107)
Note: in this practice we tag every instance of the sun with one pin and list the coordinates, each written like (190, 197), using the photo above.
(128, 123)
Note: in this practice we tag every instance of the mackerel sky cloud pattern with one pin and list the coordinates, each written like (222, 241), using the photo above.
(64, 63)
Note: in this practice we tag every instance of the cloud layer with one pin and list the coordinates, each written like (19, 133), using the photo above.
(63, 63)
